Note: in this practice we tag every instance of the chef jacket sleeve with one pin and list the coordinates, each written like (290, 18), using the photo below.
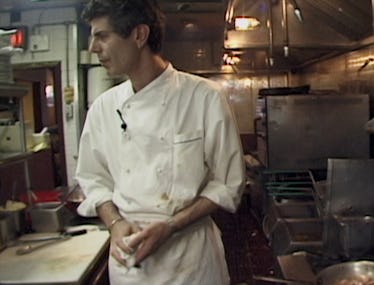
(223, 155)
(92, 172)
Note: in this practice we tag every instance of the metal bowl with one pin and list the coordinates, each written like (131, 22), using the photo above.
(347, 273)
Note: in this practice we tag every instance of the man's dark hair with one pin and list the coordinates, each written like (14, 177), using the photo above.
(125, 15)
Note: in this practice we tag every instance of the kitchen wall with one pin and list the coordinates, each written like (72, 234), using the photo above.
(348, 73)
(341, 73)
(242, 91)
(59, 25)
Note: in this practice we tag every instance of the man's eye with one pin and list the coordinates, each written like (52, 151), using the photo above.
(101, 36)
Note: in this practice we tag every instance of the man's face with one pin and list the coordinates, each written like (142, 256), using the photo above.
(117, 54)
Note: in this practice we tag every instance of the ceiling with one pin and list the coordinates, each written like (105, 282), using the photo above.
(281, 42)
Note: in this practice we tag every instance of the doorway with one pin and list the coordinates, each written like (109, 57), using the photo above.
(43, 109)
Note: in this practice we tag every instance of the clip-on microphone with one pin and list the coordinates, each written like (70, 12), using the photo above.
(123, 125)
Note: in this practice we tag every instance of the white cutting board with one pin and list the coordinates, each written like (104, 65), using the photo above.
(64, 262)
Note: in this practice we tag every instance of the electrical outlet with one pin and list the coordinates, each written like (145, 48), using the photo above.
(39, 43)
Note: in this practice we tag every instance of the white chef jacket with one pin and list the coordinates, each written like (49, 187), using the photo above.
(180, 143)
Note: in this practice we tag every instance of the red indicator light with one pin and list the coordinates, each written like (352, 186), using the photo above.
(18, 40)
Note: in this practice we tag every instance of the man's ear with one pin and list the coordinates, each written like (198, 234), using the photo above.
(142, 34)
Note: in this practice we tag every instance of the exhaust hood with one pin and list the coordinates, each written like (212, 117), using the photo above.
(293, 33)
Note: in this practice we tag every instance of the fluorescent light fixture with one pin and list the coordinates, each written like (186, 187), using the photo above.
(246, 23)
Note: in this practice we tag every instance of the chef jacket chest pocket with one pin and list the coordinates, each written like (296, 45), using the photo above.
(188, 159)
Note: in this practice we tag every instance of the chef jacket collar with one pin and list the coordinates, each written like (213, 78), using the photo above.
(158, 81)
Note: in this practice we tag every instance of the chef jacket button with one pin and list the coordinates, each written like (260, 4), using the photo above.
(162, 139)
(127, 171)
(159, 170)
(128, 106)
(163, 104)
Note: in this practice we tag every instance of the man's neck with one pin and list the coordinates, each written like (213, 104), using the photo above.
(149, 69)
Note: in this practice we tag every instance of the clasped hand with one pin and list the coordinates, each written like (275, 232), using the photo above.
(146, 241)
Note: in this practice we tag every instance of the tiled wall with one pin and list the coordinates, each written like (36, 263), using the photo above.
(349, 73)
(59, 25)
(242, 92)
(343, 73)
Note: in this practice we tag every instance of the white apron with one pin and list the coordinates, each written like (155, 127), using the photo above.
(193, 256)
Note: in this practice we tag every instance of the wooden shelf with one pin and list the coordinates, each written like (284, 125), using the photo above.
(12, 90)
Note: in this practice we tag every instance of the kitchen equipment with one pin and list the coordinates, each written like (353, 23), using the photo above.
(41, 196)
(303, 131)
(291, 235)
(17, 215)
(350, 273)
(354, 237)
(288, 210)
(49, 216)
(18, 219)
(7, 228)
(350, 187)
(304, 89)
(349, 208)
(280, 280)
(6, 71)
(37, 241)
(289, 185)
(31, 247)
(320, 188)
(292, 219)
(346, 273)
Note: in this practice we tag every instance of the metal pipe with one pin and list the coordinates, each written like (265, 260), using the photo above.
(67, 43)
(271, 35)
(285, 28)
(230, 11)
(372, 6)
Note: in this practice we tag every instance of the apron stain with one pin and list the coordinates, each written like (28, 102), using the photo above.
(165, 197)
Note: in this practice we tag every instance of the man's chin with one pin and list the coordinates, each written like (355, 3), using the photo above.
(115, 75)
(109, 71)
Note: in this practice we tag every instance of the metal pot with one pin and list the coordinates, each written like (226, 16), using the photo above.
(347, 273)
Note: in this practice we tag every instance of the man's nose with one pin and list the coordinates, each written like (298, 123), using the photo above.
(93, 47)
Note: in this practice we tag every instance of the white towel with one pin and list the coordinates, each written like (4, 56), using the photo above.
(129, 258)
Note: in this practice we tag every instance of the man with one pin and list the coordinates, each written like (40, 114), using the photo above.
(158, 154)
